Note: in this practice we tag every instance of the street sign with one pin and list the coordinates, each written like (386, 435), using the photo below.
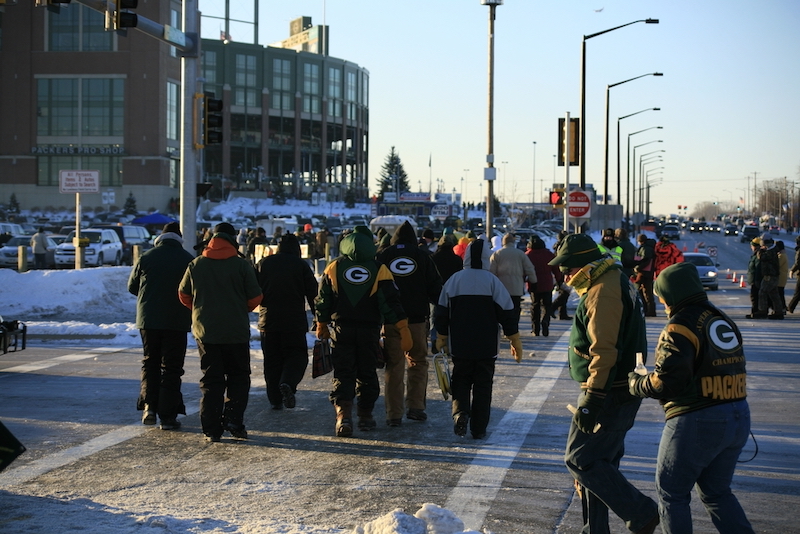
(579, 205)
(79, 181)
(440, 211)
(712, 251)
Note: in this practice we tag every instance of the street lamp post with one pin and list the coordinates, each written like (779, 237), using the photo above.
(608, 106)
(633, 180)
(583, 92)
(642, 176)
(619, 172)
(628, 160)
(533, 191)
(490, 172)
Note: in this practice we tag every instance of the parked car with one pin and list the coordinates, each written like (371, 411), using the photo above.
(104, 247)
(672, 231)
(706, 268)
(748, 233)
(9, 253)
(130, 235)
(731, 230)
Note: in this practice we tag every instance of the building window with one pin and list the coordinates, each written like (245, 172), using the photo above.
(78, 29)
(310, 88)
(351, 95)
(102, 110)
(282, 97)
(334, 92)
(175, 22)
(57, 107)
(210, 67)
(245, 93)
(172, 110)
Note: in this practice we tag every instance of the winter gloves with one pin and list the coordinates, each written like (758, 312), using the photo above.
(516, 346)
(441, 342)
(322, 331)
(589, 407)
(406, 342)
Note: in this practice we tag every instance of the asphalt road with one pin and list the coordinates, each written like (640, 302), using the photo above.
(75, 411)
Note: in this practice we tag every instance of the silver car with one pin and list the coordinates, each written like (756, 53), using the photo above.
(706, 268)
(9, 253)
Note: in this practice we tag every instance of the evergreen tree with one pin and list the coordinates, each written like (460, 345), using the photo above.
(13, 204)
(130, 205)
(278, 192)
(393, 175)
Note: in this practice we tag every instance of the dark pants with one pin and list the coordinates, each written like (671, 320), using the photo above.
(593, 460)
(354, 354)
(162, 369)
(285, 361)
(795, 298)
(754, 289)
(475, 379)
(517, 301)
(540, 310)
(560, 304)
(645, 287)
(768, 296)
(225, 385)
(40, 261)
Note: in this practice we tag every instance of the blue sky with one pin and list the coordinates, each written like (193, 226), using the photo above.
(728, 98)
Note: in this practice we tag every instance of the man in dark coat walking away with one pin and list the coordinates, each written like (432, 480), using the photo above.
(472, 307)
(419, 283)
(163, 324)
(644, 273)
(221, 288)
(287, 284)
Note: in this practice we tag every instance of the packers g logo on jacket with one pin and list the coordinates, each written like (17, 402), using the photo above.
(722, 335)
(357, 275)
(402, 266)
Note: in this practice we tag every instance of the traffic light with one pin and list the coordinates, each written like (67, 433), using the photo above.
(125, 19)
(212, 120)
(557, 197)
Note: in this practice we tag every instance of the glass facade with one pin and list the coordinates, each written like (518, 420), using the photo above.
(245, 92)
(310, 88)
(173, 110)
(78, 29)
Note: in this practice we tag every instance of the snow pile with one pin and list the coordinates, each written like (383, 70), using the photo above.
(430, 519)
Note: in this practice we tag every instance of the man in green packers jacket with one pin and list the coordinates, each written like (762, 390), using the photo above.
(220, 288)
(608, 330)
(357, 294)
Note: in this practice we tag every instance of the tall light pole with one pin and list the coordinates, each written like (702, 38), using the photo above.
(633, 180)
(490, 172)
(533, 191)
(642, 165)
(608, 107)
(583, 92)
(504, 179)
(466, 181)
(628, 160)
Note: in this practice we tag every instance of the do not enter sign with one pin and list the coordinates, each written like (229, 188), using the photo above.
(579, 204)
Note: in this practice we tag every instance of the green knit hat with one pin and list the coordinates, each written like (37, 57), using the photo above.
(576, 250)
(678, 282)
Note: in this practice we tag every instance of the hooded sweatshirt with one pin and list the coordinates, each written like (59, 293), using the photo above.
(356, 290)
(700, 360)
(414, 273)
(473, 305)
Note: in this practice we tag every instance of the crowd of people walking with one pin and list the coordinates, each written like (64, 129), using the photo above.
(389, 299)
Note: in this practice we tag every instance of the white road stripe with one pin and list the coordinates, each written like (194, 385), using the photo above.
(477, 488)
(58, 360)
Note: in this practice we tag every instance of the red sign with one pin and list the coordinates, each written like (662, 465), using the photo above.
(579, 204)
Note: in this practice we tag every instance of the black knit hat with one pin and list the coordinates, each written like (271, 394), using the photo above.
(174, 227)
(225, 228)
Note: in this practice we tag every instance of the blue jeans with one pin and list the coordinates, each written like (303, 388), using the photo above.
(701, 448)
(593, 460)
